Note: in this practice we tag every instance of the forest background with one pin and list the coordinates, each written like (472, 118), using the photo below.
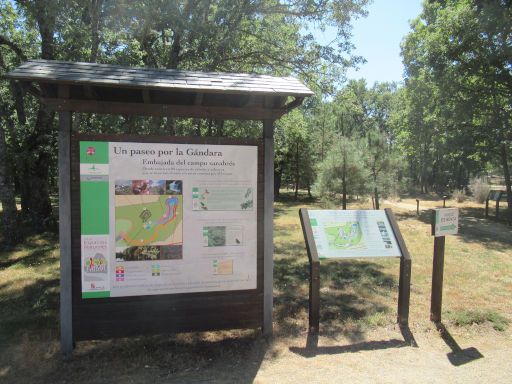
(443, 130)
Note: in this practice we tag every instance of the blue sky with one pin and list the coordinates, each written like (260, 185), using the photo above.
(377, 38)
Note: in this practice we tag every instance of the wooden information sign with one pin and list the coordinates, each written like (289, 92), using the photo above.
(156, 246)
(444, 221)
(350, 234)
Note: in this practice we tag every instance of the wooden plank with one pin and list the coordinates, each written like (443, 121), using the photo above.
(404, 283)
(268, 139)
(436, 297)
(222, 113)
(314, 272)
(64, 159)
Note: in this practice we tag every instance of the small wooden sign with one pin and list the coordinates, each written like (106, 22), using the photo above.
(446, 222)
(347, 234)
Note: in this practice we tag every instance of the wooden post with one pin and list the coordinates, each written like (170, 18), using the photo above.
(404, 282)
(498, 204)
(444, 201)
(487, 207)
(66, 307)
(417, 206)
(436, 298)
(268, 224)
(314, 272)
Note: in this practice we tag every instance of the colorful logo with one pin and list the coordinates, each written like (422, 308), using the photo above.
(96, 264)
(119, 273)
(155, 270)
(90, 151)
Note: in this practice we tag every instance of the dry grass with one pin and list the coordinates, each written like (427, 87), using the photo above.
(359, 299)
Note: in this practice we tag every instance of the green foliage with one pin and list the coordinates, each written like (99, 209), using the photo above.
(470, 317)
(342, 172)
(262, 36)
(457, 111)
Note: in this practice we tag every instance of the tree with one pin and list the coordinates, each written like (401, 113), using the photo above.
(461, 48)
(342, 171)
(382, 163)
(294, 151)
(262, 36)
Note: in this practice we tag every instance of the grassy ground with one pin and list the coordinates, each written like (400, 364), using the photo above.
(358, 313)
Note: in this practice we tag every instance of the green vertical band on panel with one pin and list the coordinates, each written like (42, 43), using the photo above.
(95, 295)
(94, 152)
(94, 207)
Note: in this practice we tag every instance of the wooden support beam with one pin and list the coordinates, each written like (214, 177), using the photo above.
(90, 93)
(293, 104)
(436, 297)
(404, 283)
(66, 305)
(146, 96)
(314, 272)
(268, 226)
(198, 100)
(193, 111)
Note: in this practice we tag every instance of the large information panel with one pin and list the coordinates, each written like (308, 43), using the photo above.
(161, 218)
(361, 233)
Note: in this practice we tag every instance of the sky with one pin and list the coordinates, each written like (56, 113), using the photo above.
(377, 38)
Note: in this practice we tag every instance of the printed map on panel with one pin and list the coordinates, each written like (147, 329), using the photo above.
(344, 236)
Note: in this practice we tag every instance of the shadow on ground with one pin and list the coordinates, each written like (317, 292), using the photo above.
(352, 292)
(32, 308)
(457, 356)
(184, 358)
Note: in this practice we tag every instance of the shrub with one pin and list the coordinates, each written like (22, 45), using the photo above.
(480, 189)
(459, 195)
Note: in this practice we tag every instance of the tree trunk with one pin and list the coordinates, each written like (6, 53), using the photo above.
(344, 184)
(376, 194)
(506, 174)
(174, 55)
(40, 144)
(198, 124)
(7, 198)
(95, 12)
(277, 180)
(170, 126)
(297, 171)
(220, 128)
(210, 127)
(35, 192)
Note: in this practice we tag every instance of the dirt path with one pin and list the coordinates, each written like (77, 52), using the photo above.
(386, 358)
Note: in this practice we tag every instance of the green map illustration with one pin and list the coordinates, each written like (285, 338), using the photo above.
(345, 236)
(148, 220)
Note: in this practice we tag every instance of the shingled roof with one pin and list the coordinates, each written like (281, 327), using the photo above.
(63, 72)
(113, 89)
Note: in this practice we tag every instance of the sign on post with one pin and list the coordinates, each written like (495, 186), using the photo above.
(348, 234)
(446, 222)
(333, 234)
